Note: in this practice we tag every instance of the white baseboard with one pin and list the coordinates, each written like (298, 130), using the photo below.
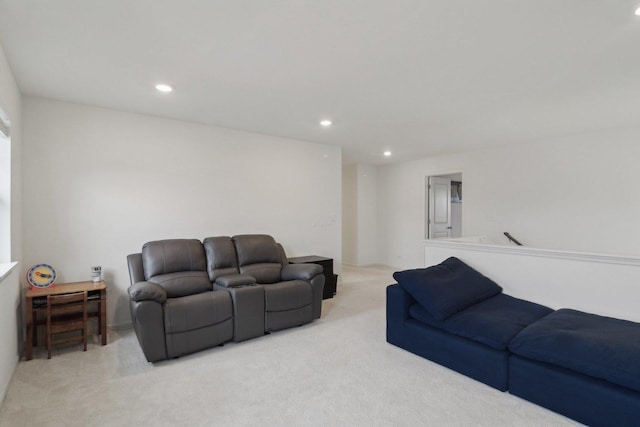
(120, 326)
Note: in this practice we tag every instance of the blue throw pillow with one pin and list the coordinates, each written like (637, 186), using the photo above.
(447, 288)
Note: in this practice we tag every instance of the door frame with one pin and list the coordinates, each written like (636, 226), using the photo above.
(456, 176)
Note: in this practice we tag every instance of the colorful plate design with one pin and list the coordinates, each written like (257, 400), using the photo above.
(41, 276)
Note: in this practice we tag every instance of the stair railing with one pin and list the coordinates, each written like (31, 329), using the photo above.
(511, 238)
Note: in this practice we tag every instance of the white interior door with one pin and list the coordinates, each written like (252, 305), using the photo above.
(439, 200)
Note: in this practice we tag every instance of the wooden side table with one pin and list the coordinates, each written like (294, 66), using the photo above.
(36, 300)
(330, 279)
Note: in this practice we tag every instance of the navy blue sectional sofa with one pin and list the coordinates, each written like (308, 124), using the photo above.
(584, 366)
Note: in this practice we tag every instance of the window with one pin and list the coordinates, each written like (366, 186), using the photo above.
(5, 188)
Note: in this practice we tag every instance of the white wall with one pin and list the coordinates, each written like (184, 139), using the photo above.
(10, 300)
(367, 214)
(350, 214)
(602, 284)
(359, 204)
(99, 183)
(575, 193)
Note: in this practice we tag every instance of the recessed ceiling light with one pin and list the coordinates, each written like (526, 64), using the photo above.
(387, 153)
(325, 123)
(162, 87)
(638, 11)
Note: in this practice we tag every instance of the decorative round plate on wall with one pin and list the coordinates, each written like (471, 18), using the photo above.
(41, 276)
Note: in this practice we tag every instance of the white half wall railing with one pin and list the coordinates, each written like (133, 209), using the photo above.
(608, 285)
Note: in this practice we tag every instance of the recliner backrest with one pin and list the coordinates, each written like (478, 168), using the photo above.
(178, 265)
(172, 255)
(259, 256)
(221, 257)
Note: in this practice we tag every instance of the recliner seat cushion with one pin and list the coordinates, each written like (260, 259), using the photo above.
(288, 295)
(197, 311)
(183, 283)
(598, 346)
(263, 272)
(493, 322)
(172, 255)
(447, 288)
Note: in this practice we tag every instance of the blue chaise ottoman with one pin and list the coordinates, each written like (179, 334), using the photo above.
(581, 365)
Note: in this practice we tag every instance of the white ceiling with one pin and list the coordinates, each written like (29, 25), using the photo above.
(417, 77)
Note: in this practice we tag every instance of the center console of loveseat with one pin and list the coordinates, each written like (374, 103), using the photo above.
(248, 305)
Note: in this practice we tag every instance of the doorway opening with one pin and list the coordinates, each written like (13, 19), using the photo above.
(443, 217)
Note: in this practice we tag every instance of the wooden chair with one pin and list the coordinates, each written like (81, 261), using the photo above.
(66, 313)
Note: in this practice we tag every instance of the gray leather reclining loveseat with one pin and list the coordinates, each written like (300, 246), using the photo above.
(186, 296)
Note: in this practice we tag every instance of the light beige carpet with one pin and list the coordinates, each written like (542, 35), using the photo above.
(337, 371)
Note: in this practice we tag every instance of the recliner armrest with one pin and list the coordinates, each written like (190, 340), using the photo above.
(301, 271)
(235, 280)
(147, 291)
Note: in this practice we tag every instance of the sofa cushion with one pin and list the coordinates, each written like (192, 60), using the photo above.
(183, 283)
(493, 322)
(288, 295)
(598, 346)
(446, 288)
(172, 255)
(197, 311)
(263, 272)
